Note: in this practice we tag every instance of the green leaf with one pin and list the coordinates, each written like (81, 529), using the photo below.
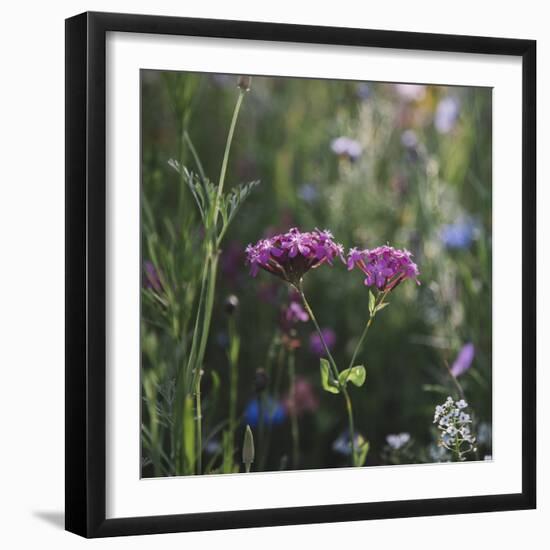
(372, 302)
(356, 375)
(248, 448)
(231, 202)
(327, 379)
(381, 306)
(191, 180)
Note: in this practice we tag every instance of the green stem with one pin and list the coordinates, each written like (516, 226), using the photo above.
(233, 382)
(336, 373)
(318, 329)
(208, 307)
(455, 381)
(377, 304)
(208, 285)
(457, 449)
(360, 343)
(194, 343)
(225, 160)
(187, 139)
(199, 424)
(351, 427)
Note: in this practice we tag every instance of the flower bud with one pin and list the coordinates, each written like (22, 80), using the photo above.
(231, 304)
(261, 380)
(248, 448)
(244, 82)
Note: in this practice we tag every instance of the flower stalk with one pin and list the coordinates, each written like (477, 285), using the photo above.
(233, 357)
(336, 373)
(291, 255)
(211, 202)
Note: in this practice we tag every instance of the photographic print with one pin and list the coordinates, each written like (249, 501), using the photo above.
(316, 285)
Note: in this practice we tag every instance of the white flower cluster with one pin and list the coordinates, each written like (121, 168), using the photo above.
(396, 441)
(455, 426)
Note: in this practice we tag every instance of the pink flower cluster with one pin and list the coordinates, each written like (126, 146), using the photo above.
(290, 255)
(385, 267)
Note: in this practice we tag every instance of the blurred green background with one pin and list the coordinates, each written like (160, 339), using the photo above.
(414, 171)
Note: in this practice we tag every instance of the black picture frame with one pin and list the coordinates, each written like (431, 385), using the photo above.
(86, 273)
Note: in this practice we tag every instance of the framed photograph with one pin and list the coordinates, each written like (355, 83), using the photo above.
(300, 274)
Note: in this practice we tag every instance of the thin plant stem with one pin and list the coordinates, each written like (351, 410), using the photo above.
(349, 410)
(266, 442)
(192, 353)
(199, 424)
(318, 328)
(225, 160)
(365, 331)
(343, 388)
(211, 254)
(457, 450)
(208, 307)
(455, 381)
(187, 139)
(233, 382)
(293, 414)
(271, 355)
(360, 343)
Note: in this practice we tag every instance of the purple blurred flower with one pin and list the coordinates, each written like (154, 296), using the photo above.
(363, 91)
(316, 344)
(346, 147)
(268, 292)
(409, 139)
(385, 267)
(459, 234)
(411, 92)
(295, 313)
(292, 254)
(446, 114)
(231, 259)
(152, 278)
(464, 360)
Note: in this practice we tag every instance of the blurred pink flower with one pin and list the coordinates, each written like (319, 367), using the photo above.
(411, 92)
(304, 399)
(316, 344)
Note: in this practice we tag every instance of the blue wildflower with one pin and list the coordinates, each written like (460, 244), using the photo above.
(446, 115)
(273, 412)
(458, 235)
(346, 147)
(308, 192)
(342, 445)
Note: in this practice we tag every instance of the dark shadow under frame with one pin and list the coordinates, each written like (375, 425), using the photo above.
(85, 270)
